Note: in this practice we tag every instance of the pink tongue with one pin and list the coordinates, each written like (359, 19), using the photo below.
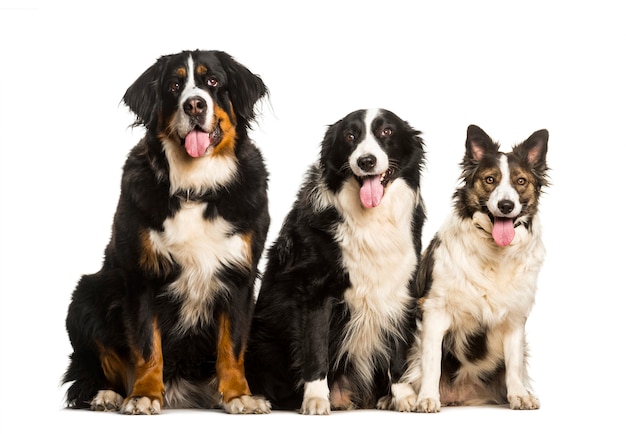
(503, 231)
(196, 143)
(371, 192)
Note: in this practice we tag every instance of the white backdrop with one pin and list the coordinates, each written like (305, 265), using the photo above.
(509, 67)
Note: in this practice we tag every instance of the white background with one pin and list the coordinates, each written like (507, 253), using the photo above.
(509, 67)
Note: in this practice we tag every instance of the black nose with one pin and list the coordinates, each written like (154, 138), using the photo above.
(506, 206)
(366, 162)
(195, 106)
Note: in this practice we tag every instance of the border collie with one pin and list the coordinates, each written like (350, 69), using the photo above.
(336, 311)
(478, 279)
(166, 319)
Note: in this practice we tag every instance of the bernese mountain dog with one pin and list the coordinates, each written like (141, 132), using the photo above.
(165, 321)
(336, 310)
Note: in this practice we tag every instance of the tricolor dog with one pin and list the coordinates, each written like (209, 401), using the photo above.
(478, 278)
(165, 321)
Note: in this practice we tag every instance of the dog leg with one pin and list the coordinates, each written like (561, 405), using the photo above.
(316, 397)
(232, 383)
(402, 398)
(146, 396)
(518, 394)
(435, 324)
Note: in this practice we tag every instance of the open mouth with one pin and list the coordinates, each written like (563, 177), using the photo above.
(503, 230)
(197, 141)
(373, 188)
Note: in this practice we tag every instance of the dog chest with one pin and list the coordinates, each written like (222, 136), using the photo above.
(379, 256)
(201, 248)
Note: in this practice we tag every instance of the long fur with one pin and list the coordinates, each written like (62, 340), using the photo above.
(335, 315)
(477, 286)
(166, 320)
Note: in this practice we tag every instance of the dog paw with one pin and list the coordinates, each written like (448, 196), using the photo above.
(524, 402)
(106, 400)
(428, 405)
(141, 405)
(246, 404)
(402, 398)
(315, 406)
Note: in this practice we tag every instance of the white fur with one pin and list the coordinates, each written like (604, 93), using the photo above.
(195, 175)
(504, 191)
(201, 247)
(477, 284)
(190, 90)
(316, 397)
(373, 242)
(369, 145)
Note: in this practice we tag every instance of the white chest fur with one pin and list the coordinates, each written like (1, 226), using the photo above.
(379, 255)
(480, 283)
(201, 248)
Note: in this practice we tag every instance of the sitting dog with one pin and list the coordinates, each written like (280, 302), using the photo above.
(336, 311)
(166, 319)
(478, 278)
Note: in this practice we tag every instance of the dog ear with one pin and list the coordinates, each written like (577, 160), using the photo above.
(535, 148)
(245, 87)
(478, 144)
(143, 97)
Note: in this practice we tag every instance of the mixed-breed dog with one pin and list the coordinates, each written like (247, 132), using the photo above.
(350, 313)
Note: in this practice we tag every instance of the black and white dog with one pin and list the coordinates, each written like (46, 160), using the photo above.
(335, 316)
(478, 279)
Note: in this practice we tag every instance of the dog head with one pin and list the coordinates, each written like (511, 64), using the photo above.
(196, 100)
(372, 148)
(505, 186)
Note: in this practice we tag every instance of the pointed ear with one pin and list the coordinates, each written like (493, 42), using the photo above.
(478, 143)
(143, 97)
(246, 88)
(535, 148)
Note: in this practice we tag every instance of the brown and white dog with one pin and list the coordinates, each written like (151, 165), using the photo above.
(478, 278)
(166, 320)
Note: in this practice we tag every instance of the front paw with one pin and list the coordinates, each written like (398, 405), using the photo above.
(315, 405)
(428, 405)
(141, 405)
(524, 402)
(106, 400)
(402, 398)
(246, 404)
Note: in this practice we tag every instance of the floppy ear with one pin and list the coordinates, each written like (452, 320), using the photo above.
(143, 97)
(478, 144)
(245, 88)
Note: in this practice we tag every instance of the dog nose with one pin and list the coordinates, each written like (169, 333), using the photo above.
(194, 106)
(366, 162)
(506, 206)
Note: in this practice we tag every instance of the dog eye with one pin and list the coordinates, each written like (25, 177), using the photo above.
(174, 87)
(489, 180)
(212, 82)
(386, 132)
(350, 137)
(521, 181)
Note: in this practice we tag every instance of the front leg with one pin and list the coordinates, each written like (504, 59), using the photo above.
(402, 397)
(146, 396)
(316, 397)
(518, 394)
(232, 383)
(435, 323)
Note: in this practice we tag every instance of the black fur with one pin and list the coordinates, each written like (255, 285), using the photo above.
(301, 314)
(117, 310)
